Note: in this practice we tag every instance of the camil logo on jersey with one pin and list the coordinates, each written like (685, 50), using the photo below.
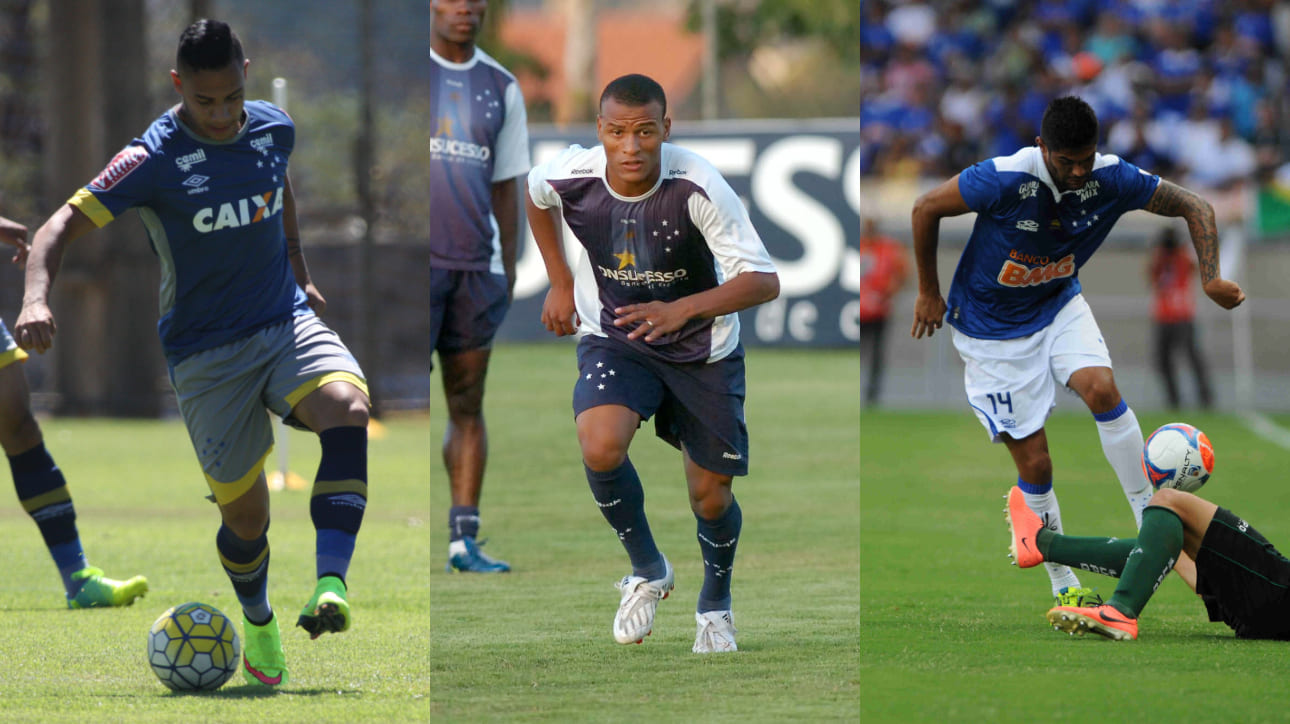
(121, 165)
(1021, 275)
(262, 143)
(239, 213)
(186, 163)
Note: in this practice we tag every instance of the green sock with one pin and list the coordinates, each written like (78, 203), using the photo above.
(1160, 540)
(1097, 554)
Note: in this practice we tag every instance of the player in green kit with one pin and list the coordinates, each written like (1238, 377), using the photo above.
(239, 324)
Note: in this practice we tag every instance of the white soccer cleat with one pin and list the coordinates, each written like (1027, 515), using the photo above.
(635, 618)
(716, 633)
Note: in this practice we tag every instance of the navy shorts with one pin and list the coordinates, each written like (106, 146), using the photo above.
(696, 405)
(466, 309)
(1243, 579)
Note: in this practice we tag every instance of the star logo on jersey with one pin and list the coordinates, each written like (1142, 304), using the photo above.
(625, 259)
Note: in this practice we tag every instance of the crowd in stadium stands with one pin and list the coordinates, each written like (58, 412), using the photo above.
(1191, 89)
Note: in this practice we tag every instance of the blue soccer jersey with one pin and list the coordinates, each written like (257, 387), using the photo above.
(213, 211)
(1021, 264)
(479, 136)
(686, 235)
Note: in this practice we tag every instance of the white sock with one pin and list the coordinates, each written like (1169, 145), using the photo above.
(1045, 506)
(1122, 445)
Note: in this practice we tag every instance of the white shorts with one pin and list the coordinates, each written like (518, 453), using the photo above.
(1011, 384)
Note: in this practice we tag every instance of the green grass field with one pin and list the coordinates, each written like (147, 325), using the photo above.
(535, 644)
(139, 498)
(951, 632)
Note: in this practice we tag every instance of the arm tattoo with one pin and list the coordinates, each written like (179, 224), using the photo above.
(1173, 200)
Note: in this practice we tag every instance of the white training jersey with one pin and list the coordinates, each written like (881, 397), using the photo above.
(687, 234)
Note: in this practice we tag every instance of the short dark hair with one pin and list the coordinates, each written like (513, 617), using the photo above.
(1069, 123)
(208, 45)
(635, 90)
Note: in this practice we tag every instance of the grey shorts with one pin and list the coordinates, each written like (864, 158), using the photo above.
(223, 393)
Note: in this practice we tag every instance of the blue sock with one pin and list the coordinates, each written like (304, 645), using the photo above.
(339, 498)
(717, 541)
(42, 490)
(246, 562)
(621, 498)
(463, 522)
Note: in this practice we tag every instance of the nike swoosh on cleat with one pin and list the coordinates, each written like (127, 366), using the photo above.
(1102, 615)
(1024, 543)
(270, 680)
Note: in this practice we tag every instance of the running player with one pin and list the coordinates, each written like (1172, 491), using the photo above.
(238, 322)
(1243, 580)
(1020, 323)
(41, 488)
(670, 257)
(479, 149)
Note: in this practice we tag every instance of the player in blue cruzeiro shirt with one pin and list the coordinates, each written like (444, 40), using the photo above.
(42, 490)
(239, 324)
(1019, 321)
(479, 149)
(670, 256)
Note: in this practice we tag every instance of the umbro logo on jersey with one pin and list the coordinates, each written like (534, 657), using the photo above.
(196, 180)
(1028, 225)
(186, 163)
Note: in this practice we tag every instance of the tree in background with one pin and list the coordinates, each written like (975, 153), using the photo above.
(786, 58)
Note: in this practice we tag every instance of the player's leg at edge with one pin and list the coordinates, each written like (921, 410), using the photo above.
(465, 452)
(44, 495)
(339, 412)
(719, 521)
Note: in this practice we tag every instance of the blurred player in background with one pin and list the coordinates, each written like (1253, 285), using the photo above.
(41, 488)
(479, 148)
(1243, 580)
(1020, 323)
(239, 324)
(671, 256)
(1173, 314)
(883, 271)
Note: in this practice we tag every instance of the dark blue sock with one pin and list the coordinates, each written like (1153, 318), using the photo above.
(339, 498)
(246, 562)
(463, 522)
(621, 498)
(717, 541)
(42, 490)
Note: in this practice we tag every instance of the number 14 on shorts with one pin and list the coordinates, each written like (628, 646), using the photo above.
(999, 399)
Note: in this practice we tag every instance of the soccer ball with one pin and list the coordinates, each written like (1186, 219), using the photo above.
(1178, 456)
(193, 647)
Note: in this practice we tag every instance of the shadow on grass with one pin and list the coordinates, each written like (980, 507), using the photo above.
(259, 692)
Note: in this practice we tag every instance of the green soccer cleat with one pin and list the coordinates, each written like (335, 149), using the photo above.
(263, 663)
(100, 592)
(1077, 597)
(327, 611)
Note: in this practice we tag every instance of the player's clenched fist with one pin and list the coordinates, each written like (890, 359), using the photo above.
(1225, 293)
(35, 328)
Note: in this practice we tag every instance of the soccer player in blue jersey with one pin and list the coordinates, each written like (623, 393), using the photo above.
(239, 324)
(670, 256)
(39, 482)
(479, 149)
(1019, 321)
